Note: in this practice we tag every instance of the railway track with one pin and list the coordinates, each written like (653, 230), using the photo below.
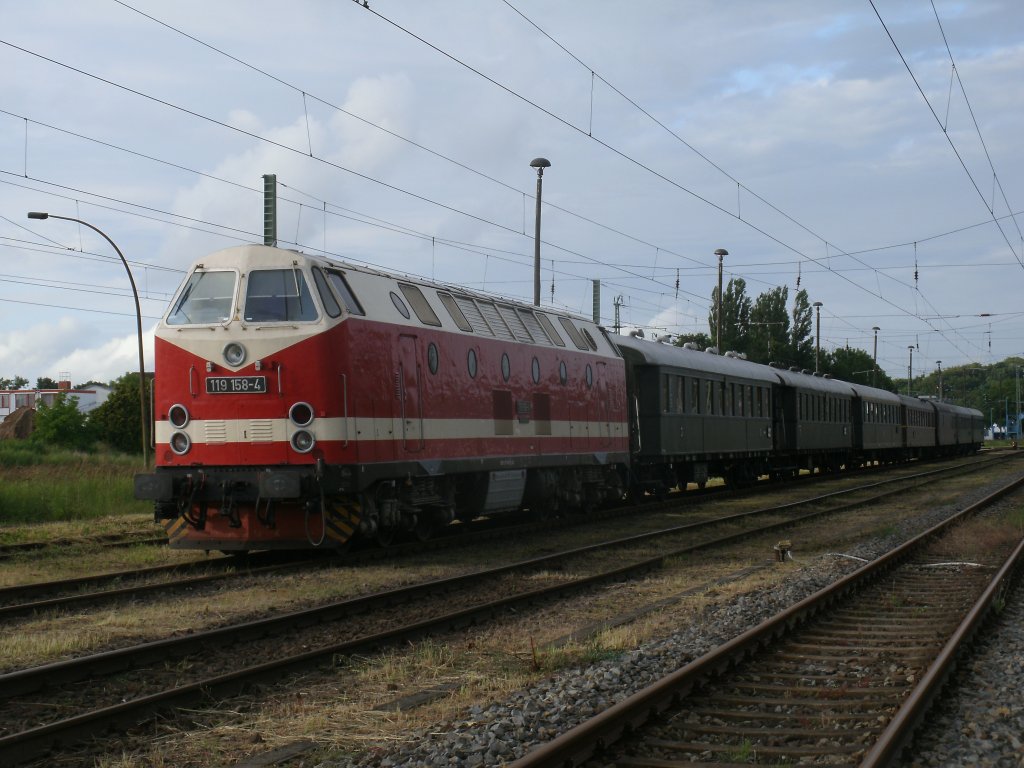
(844, 676)
(99, 589)
(119, 688)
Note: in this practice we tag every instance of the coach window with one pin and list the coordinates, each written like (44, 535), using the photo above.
(666, 393)
(535, 370)
(341, 287)
(694, 395)
(432, 357)
(709, 388)
(471, 363)
(278, 295)
(331, 306)
(563, 373)
(506, 366)
(726, 398)
(738, 399)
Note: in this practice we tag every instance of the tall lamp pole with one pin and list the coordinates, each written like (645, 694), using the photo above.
(817, 340)
(138, 320)
(718, 304)
(874, 358)
(939, 363)
(910, 369)
(540, 163)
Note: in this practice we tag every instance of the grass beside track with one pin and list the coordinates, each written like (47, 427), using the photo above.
(39, 486)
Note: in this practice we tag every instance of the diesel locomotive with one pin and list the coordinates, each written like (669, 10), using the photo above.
(300, 402)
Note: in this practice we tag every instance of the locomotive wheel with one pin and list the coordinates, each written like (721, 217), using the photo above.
(385, 537)
(424, 529)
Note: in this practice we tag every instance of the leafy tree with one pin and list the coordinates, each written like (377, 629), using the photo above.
(116, 421)
(801, 340)
(702, 340)
(857, 366)
(735, 316)
(45, 382)
(62, 424)
(769, 326)
(16, 383)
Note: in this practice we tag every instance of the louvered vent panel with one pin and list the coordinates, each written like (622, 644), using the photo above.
(216, 431)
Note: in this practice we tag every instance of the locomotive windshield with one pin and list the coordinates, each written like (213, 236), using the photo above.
(206, 299)
(278, 295)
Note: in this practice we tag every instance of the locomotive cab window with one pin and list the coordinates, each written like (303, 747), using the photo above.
(278, 295)
(341, 287)
(206, 298)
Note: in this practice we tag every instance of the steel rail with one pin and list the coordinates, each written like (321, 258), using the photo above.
(582, 742)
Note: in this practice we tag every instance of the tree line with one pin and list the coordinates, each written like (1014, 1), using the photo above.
(767, 329)
(114, 423)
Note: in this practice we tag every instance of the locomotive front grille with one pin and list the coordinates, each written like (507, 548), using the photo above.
(260, 431)
(216, 431)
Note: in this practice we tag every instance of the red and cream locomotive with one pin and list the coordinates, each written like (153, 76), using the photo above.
(299, 401)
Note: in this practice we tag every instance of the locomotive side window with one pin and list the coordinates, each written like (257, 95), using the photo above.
(471, 363)
(206, 298)
(400, 306)
(563, 374)
(535, 370)
(573, 333)
(453, 309)
(278, 295)
(506, 367)
(550, 329)
(341, 287)
(419, 304)
(433, 359)
(331, 306)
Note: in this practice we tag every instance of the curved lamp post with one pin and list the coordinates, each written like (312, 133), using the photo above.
(138, 321)
(540, 163)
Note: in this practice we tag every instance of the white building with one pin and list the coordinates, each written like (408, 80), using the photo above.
(87, 399)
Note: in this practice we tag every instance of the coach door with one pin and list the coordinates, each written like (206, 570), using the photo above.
(407, 390)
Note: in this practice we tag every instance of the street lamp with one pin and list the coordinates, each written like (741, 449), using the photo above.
(540, 164)
(718, 304)
(138, 320)
(874, 358)
(910, 369)
(817, 342)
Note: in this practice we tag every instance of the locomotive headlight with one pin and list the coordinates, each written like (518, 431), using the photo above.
(178, 415)
(303, 441)
(234, 354)
(301, 414)
(180, 443)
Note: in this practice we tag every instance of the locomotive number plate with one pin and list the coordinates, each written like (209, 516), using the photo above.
(232, 385)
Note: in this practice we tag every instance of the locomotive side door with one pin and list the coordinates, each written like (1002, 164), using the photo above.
(407, 391)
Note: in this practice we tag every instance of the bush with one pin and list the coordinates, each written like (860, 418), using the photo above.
(63, 425)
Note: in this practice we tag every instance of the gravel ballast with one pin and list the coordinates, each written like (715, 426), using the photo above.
(981, 726)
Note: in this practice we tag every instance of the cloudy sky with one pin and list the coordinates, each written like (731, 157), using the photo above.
(868, 151)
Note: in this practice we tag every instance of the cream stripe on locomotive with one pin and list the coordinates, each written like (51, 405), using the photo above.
(255, 431)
